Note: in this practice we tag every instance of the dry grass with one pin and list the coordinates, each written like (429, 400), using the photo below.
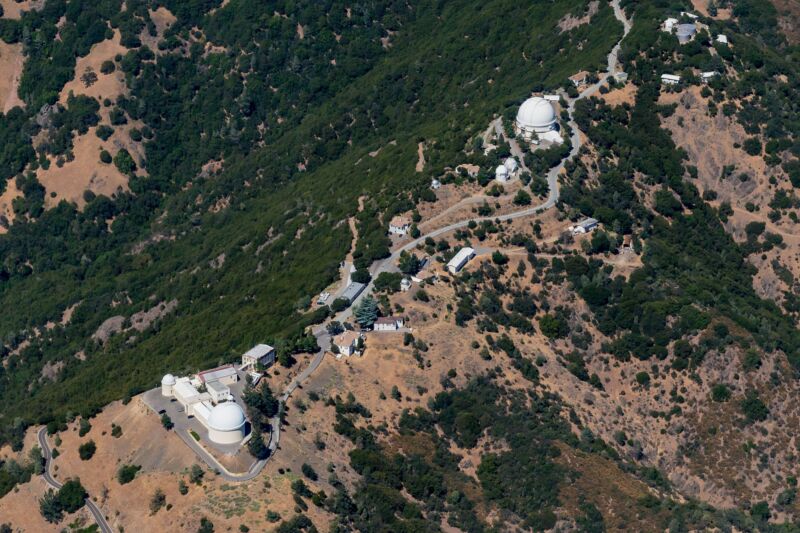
(11, 63)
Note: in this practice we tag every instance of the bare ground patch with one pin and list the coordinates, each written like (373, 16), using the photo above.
(12, 60)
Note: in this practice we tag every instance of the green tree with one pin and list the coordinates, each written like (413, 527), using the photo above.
(522, 198)
(72, 496)
(366, 312)
(124, 162)
(86, 450)
(408, 263)
(50, 507)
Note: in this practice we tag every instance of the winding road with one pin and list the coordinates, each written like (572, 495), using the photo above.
(388, 264)
(50, 480)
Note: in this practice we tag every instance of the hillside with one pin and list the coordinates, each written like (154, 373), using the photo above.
(183, 179)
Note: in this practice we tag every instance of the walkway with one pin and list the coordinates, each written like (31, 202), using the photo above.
(48, 459)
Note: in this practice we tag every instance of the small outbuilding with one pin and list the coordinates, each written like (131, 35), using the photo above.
(436, 184)
(352, 291)
(405, 284)
(461, 258)
(587, 225)
(722, 39)
(389, 323)
(670, 79)
(347, 342)
(579, 78)
(399, 225)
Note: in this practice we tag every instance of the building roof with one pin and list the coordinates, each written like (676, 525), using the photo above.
(511, 164)
(227, 416)
(579, 76)
(588, 222)
(388, 320)
(168, 379)
(670, 77)
(501, 170)
(352, 291)
(346, 338)
(185, 390)
(217, 387)
(536, 112)
(217, 373)
(722, 39)
(400, 221)
(462, 255)
(259, 350)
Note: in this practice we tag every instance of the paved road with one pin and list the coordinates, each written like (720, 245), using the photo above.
(48, 459)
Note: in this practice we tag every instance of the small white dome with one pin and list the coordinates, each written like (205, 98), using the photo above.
(510, 164)
(227, 416)
(536, 113)
(501, 170)
(168, 379)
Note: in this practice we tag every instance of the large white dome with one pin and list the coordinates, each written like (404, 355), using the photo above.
(536, 114)
(168, 379)
(227, 416)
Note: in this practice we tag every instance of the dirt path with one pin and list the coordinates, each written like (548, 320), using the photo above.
(12, 61)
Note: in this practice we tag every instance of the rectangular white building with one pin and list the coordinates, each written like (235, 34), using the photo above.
(226, 375)
(458, 261)
(389, 323)
(399, 225)
(260, 354)
(218, 391)
(670, 79)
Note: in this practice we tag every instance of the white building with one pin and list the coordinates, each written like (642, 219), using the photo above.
(501, 174)
(670, 79)
(260, 354)
(587, 225)
(669, 24)
(722, 39)
(458, 261)
(399, 225)
(690, 15)
(225, 423)
(219, 392)
(435, 184)
(405, 284)
(225, 374)
(579, 78)
(537, 118)
(347, 342)
(167, 383)
(708, 76)
(389, 323)
(552, 97)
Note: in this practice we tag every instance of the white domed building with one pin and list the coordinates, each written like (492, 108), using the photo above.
(167, 382)
(537, 118)
(226, 423)
(501, 174)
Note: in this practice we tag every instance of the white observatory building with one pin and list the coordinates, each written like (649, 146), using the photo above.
(501, 174)
(537, 118)
(226, 423)
(167, 382)
(214, 408)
